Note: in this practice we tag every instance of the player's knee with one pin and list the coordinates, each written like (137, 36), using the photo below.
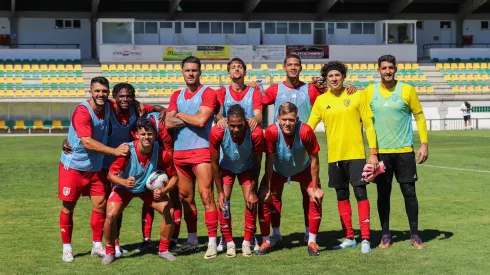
(207, 196)
(342, 194)
(408, 190)
(361, 193)
(112, 216)
(68, 207)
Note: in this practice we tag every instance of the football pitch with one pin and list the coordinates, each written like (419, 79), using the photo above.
(454, 220)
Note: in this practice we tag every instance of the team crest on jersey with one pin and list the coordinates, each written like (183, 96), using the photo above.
(395, 98)
(66, 191)
(346, 102)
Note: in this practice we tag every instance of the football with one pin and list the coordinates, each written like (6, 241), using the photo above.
(157, 180)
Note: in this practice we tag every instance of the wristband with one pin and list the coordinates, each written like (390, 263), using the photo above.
(373, 153)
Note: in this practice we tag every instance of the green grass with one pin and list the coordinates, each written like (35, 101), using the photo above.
(454, 220)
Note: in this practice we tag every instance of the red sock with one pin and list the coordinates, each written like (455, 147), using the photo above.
(110, 249)
(164, 245)
(364, 213)
(190, 218)
(249, 228)
(66, 227)
(211, 220)
(97, 222)
(306, 206)
(225, 225)
(177, 221)
(276, 211)
(265, 219)
(345, 213)
(147, 215)
(315, 217)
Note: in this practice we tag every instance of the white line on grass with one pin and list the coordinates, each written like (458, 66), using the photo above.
(459, 148)
(454, 168)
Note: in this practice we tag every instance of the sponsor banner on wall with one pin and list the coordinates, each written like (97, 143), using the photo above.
(244, 52)
(126, 52)
(308, 51)
(269, 52)
(178, 53)
(213, 52)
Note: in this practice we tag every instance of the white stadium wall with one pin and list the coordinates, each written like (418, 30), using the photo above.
(463, 53)
(43, 31)
(4, 25)
(40, 54)
(371, 53)
(431, 33)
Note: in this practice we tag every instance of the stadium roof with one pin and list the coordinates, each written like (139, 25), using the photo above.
(254, 9)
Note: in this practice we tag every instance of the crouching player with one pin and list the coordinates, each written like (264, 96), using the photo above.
(129, 175)
(292, 155)
(236, 151)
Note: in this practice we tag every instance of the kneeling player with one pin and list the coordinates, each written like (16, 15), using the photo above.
(129, 174)
(236, 152)
(292, 154)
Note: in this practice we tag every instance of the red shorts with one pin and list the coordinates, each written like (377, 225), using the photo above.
(228, 177)
(124, 196)
(188, 170)
(304, 179)
(73, 183)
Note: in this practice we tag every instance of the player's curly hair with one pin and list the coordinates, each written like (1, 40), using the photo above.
(123, 85)
(236, 111)
(146, 124)
(333, 65)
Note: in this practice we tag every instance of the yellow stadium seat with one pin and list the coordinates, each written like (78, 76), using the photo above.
(55, 93)
(52, 68)
(349, 66)
(224, 67)
(2, 93)
(415, 66)
(9, 67)
(363, 66)
(3, 125)
(140, 79)
(77, 67)
(471, 89)
(247, 79)
(483, 66)
(348, 78)
(208, 67)
(462, 77)
(370, 78)
(422, 90)
(72, 93)
(408, 66)
(469, 77)
(401, 66)
(454, 77)
(461, 66)
(2, 67)
(423, 78)
(161, 67)
(278, 66)
(19, 124)
(120, 67)
(60, 67)
(156, 79)
(468, 66)
(81, 93)
(264, 67)
(400, 78)
(27, 92)
(104, 67)
(408, 78)
(484, 77)
(477, 77)
(205, 79)
(152, 92)
(276, 79)
(447, 77)
(478, 89)
(61, 80)
(36, 93)
(454, 66)
(355, 66)
(79, 80)
(56, 124)
(268, 79)
(17, 67)
(217, 67)
(69, 67)
(355, 78)
(145, 67)
(214, 79)
(137, 67)
(447, 66)
(128, 67)
(34, 67)
(9, 80)
(153, 67)
(9, 93)
(115, 79)
(44, 80)
(45, 93)
(415, 78)
(112, 67)
(38, 124)
(177, 67)
(18, 80)
(131, 79)
(318, 66)
(455, 89)
(148, 79)
(136, 92)
(253, 78)
(18, 93)
(486, 89)
(43, 67)
(63, 93)
(310, 66)
(249, 67)
(160, 92)
(169, 67)
(439, 66)
(172, 79)
(71, 80)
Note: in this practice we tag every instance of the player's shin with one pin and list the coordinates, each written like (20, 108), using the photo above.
(364, 219)
(66, 228)
(345, 213)
(110, 230)
(315, 218)
(147, 216)
(264, 214)
(225, 225)
(97, 223)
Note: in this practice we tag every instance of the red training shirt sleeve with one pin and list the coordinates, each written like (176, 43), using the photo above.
(172, 106)
(258, 140)
(166, 138)
(309, 139)
(271, 135)
(257, 100)
(82, 122)
(313, 92)
(270, 95)
(209, 99)
(166, 163)
(119, 164)
(220, 96)
(215, 138)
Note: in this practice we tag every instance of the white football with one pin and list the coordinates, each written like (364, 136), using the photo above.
(157, 180)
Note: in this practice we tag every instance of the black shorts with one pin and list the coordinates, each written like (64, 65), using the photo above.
(401, 164)
(466, 118)
(342, 172)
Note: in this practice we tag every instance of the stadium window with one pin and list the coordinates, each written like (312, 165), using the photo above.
(151, 27)
(355, 28)
(305, 28)
(282, 28)
(319, 25)
(255, 25)
(240, 28)
(270, 28)
(228, 28)
(139, 27)
(189, 25)
(178, 27)
(342, 26)
(68, 24)
(445, 24)
(77, 24)
(166, 25)
(368, 28)
(58, 24)
(293, 28)
(484, 25)
(420, 25)
(331, 28)
(204, 27)
(216, 27)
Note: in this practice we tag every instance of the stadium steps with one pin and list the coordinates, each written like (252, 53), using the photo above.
(90, 71)
(434, 76)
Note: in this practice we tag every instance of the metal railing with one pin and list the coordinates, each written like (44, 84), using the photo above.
(455, 45)
(448, 124)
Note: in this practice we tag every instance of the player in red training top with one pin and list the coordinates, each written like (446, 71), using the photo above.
(236, 152)
(190, 117)
(292, 155)
(303, 95)
(79, 172)
(129, 175)
(124, 112)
